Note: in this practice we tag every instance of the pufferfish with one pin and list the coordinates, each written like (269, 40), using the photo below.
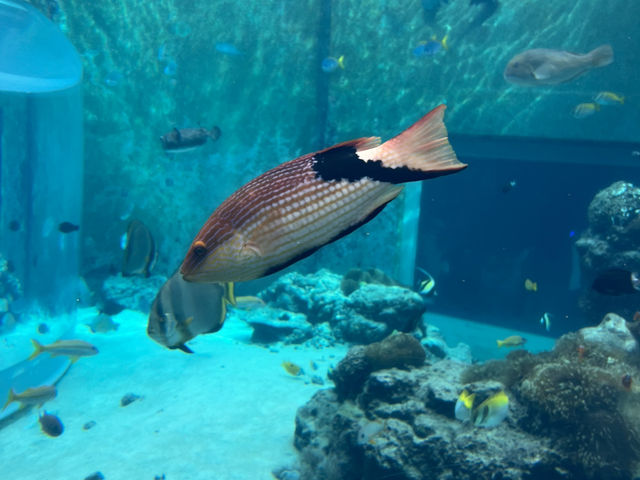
(292, 210)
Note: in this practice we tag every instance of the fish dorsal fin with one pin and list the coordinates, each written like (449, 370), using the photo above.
(178, 134)
(360, 144)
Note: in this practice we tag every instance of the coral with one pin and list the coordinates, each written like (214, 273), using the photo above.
(135, 293)
(355, 277)
(273, 325)
(401, 426)
(611, 241)
(366, 315)
(575, 396)
(396, 351)
(400, 351)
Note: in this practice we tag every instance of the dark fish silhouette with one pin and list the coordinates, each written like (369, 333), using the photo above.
(139, 250)
(51, 424)
(182, 310)
(14, 225)
(67, 227)
(617, 281)
(186, 139)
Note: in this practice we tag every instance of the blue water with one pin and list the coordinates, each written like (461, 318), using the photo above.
(91, 156)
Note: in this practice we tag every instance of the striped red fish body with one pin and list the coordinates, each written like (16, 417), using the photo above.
(297, 207)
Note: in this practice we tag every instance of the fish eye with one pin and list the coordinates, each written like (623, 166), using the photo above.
(199, 249)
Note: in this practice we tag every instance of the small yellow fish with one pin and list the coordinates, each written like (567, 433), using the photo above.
(31, 396)
(608, 98)
(427, 285)
(512, 341)
(292, 369)
(492, 411)
(463, 407)
(584, 110)
(530, 285)
(69, 348)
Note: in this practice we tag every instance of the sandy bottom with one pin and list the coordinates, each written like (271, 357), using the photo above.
(225, 412)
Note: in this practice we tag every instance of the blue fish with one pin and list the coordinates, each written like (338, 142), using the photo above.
(330, 64)
(228, 49)
(430, 48)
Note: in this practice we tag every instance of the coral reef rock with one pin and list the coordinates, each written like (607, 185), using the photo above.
(10, 290)
(134, 293)
(368, 314)
(573, 415)
(576, 398)
(612, 335)
(436, 347)
(611, 241)
(275, 325)
(396, 351)
(400, 424)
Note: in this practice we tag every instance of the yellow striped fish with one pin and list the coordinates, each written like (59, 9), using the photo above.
(289, 212)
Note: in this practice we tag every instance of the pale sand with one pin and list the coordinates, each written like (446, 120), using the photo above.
(226, 412)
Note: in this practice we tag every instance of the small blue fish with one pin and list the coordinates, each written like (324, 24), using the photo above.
(228, 49)
(430, 48)
(330, 64)
(171, 68)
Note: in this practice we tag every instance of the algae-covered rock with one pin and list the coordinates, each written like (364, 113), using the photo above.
(368, 314)
(401, 425)
(274, 325)
(611, 335)
(575, 396)
(396, 351)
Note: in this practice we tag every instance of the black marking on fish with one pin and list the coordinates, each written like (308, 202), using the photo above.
(344, 233)
(343, 163)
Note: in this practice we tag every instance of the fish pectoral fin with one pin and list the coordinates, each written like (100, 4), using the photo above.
(250, 249)
(542, 73)
(73, 359)
(183, 348)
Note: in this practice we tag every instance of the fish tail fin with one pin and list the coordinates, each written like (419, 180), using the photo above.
(601, 56)
(341, 62)
(38, 349)
(10, 399)
(421, 152)
(500, 343)
(214, 133)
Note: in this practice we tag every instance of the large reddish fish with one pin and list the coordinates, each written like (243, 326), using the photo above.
(289, 212)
